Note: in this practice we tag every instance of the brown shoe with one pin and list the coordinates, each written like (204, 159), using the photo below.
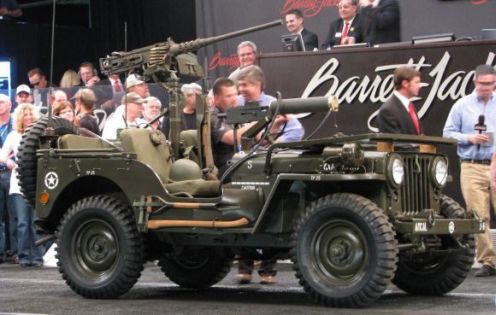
(486, 271)
(267, 280)
(244, 278)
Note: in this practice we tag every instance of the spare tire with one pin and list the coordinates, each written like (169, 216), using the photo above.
(30, 143)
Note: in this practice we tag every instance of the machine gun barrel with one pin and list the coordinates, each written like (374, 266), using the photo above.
(304, 105)
(176, 49)
(158, 53)
(252, 111)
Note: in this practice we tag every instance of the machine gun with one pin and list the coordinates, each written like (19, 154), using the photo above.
(162, 54)
(164, 62)
(263, 115)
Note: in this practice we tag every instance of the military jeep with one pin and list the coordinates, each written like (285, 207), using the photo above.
(353, 213)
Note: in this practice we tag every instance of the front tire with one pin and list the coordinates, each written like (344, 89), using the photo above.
(425, 274)
(345, 251)
(100, 252)
(196, 268)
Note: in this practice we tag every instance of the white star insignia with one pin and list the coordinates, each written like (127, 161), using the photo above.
(51, 180)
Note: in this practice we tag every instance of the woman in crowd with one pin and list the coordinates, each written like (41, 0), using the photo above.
(70, 78)
(70, 82)
(64, 110)
(29, 255)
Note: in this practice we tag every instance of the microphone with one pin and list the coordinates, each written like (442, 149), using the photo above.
(480, 127)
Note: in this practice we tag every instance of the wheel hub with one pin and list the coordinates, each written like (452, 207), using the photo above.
(96, 247)
(339, 250)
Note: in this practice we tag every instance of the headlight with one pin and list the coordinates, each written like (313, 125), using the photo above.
(439, 172)
(396, 170)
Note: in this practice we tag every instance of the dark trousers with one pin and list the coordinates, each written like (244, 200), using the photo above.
(267, 268)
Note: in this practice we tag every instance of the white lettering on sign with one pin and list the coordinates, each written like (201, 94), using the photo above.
(380, 88)
(420, 227)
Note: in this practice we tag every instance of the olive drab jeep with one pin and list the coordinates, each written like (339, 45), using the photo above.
(353, 213)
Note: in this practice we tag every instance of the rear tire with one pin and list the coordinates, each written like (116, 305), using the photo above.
(345, 251)
(425, 274)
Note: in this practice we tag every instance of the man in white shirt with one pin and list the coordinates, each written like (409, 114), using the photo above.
(128, 117)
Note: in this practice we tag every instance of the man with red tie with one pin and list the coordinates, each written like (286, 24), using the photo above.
(348, 28)
(398, 114)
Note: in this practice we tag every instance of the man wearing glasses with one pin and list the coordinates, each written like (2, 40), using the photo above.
(37, 79)
(472, 122)
(39, 83)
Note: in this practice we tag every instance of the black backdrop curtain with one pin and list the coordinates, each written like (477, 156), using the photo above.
(149, 21)
(30, 45)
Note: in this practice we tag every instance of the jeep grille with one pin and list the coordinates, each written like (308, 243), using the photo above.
(416, 192)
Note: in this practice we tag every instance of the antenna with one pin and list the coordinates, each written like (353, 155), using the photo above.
(52, 49)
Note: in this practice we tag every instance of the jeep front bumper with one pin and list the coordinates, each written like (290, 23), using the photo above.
(424, 226)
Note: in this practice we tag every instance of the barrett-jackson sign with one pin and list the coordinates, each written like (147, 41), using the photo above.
(362, 79)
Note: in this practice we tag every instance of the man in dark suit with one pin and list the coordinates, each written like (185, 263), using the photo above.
(381, 21)
(348, 28)
(294, 24)
(398, 114)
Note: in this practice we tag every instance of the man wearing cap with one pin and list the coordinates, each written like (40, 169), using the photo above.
(5, 129)
(23, 94)
(135, 84)
(129, 117)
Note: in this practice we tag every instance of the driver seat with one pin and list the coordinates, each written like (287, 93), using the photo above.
(151, 148)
